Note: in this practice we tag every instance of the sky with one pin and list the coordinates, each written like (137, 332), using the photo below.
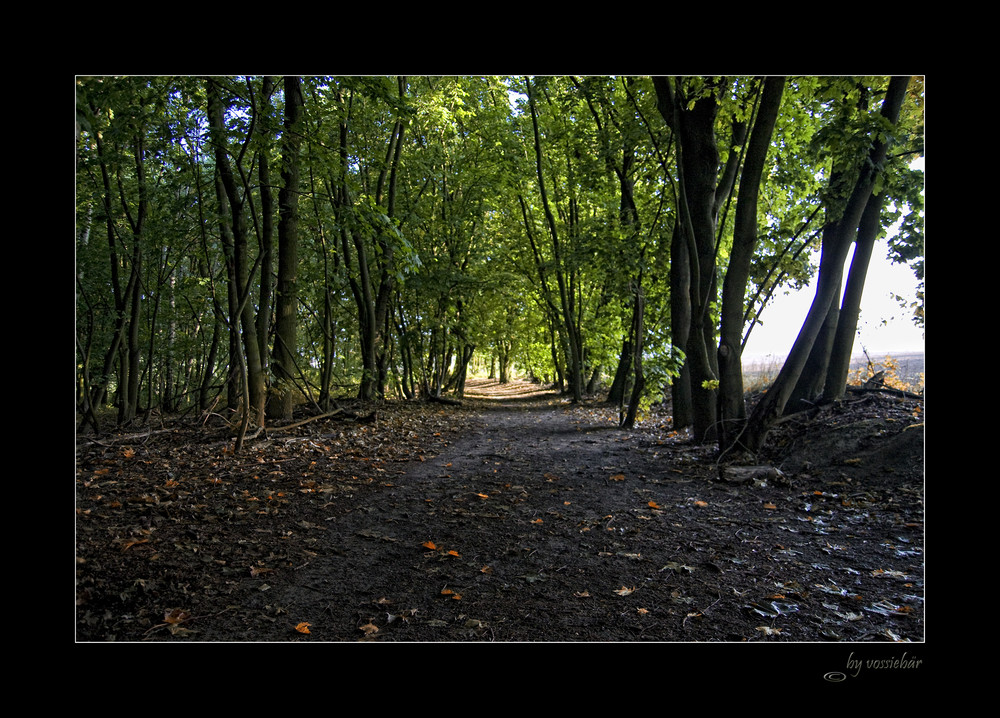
(885, 327)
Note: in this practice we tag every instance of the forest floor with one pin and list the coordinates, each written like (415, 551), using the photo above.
(515, 517)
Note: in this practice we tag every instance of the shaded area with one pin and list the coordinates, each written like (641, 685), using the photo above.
(521, 519)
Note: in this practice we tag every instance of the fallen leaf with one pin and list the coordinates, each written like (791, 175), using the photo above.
(303, 627)
(618, 477)
(653, 505)
(175, 616)
(429, 544)
(625, 591)
(132, 542)
(701, 503)
(453, 552)
(537, 521)
(368, 628)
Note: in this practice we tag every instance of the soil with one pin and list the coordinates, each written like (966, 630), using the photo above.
(514, 517)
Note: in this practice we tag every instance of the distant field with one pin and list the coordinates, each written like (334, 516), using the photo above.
(911, 366)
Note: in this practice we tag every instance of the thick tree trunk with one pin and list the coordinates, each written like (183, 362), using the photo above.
(680, 327)
(701, 192)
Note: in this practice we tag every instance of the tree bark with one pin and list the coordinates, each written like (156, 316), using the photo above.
(281, 399)
(837, 238)
(700, 196)
(847, 325)
(574, 356)
(732, 407)
(266, 227)
(240, 272)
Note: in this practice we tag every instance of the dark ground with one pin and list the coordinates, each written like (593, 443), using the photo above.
(515, 519)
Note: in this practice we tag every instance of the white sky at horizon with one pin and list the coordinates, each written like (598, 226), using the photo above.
(884, 326)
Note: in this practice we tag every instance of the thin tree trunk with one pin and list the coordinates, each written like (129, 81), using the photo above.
(837, 238)
(732, 407)
(843, 343)
(266, 230)
(240, 276)
(282, 396)
(574, 355)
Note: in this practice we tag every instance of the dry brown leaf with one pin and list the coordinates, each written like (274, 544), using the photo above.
(132, 542)
(303, 627)
(429, 544)
(175, 616)
(368, 629)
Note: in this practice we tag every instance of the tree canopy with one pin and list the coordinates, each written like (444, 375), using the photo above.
(246, 244)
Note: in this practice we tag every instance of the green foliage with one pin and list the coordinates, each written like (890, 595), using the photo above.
(467, 265)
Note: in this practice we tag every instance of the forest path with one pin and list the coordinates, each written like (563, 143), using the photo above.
(511, 512)
(519, 519)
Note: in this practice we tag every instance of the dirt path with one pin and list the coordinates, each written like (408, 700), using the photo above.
(540, 521)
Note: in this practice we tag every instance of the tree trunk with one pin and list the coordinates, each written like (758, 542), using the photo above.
(843, 343)
(638, 333)
(266, 229)
(680, 327)
(281, 400)
(616, 394)
(700, 195)
(128, 409)
(240, 275)
(837, 238)
(732, 407)
(574, 356)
